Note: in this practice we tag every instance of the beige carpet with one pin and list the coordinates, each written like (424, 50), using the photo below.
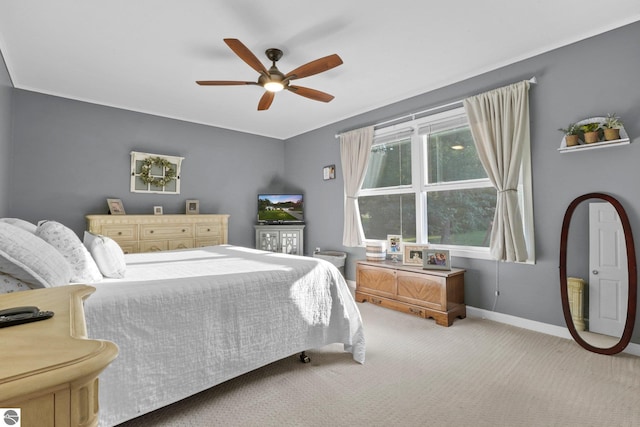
(474, 373)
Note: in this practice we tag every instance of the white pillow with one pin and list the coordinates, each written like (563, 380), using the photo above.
(83, 267)
(107, 254)
(10, 284)
(30, 259)
(25, 225)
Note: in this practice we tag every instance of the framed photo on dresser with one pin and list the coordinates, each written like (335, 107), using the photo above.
(192, 207)
(115, 207)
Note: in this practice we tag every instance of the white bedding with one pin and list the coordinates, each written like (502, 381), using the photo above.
(187, 320)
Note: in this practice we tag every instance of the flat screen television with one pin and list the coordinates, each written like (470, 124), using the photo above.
(280, 209)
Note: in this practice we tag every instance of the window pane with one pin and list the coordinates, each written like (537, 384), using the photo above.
(461, 217)
(389, 165)
(389, 214)
(452, 156)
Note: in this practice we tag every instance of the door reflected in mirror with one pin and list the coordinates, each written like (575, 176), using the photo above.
(597, 273)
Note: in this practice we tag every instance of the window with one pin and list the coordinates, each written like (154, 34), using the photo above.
(425, 181)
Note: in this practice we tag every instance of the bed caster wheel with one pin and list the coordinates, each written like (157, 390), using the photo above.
(304, 358)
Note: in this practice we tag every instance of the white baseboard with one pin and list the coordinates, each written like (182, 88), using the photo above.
(532, 325)
(545, 328)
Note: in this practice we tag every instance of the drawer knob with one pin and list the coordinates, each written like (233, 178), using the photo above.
(183, 230)
(208, 229)
(119, 233)
(151, 232)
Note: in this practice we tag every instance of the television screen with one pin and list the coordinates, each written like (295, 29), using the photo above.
(280, 208)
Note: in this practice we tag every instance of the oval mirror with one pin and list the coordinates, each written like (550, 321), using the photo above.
(598, 280)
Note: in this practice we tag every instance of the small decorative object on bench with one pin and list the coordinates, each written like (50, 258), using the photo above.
(375, 250)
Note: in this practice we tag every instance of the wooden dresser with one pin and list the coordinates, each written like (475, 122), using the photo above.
(438, 294)
(49, 369)
(149, 233)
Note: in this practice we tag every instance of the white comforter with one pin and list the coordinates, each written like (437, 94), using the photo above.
(187, 320)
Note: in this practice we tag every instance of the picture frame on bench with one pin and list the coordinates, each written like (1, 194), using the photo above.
(412, 253)
(436, 259)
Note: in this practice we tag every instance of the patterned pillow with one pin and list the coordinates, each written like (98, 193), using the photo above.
(30, 259)
(83, 267)
(10, 284)
(107, 254)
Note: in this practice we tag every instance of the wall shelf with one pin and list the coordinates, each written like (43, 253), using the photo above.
(624, 139)
(593, 146)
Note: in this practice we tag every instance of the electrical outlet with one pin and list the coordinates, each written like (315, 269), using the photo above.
(317, 250)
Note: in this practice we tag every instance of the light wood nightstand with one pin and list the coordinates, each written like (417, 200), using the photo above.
(49, 368)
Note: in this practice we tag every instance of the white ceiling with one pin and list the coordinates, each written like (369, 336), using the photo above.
(145, 55)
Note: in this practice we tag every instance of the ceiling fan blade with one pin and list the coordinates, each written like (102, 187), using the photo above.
(223, 83)
(316, 95)
(315, 67)
(246, 55)
(266, 100)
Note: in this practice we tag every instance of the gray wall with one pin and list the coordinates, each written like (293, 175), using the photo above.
(70, 156)
(6, 89)
(586, 79)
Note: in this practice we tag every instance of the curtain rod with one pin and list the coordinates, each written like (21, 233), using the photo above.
(533, 80)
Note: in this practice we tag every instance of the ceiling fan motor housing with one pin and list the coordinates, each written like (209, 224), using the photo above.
(273, 54)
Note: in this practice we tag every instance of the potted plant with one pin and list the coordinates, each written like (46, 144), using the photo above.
(590, 131)
(611, 127)
(571, 134)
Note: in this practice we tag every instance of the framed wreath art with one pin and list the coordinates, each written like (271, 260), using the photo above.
(154, 173)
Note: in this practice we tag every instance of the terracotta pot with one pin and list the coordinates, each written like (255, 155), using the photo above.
(591, 137)
(571, 140)
(611, 134)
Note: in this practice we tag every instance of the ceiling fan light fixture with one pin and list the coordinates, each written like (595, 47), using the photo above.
(273, 86)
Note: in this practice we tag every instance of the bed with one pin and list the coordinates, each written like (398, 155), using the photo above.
(187, 320)
(184, 320)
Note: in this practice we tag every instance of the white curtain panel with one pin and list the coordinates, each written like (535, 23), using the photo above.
(355, 149)
(499, 121)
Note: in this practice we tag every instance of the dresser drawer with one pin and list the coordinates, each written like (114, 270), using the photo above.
(120, 232)
(128, 247)
(208, 242)
(153, 245)
(180, 244)
(165, 231)
(207, 230)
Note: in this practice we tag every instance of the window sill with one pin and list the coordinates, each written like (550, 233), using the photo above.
(478, 253)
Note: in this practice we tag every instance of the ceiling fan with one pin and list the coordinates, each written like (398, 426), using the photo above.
(273, 80)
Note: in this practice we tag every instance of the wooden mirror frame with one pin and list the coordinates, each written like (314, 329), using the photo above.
(631, 270)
